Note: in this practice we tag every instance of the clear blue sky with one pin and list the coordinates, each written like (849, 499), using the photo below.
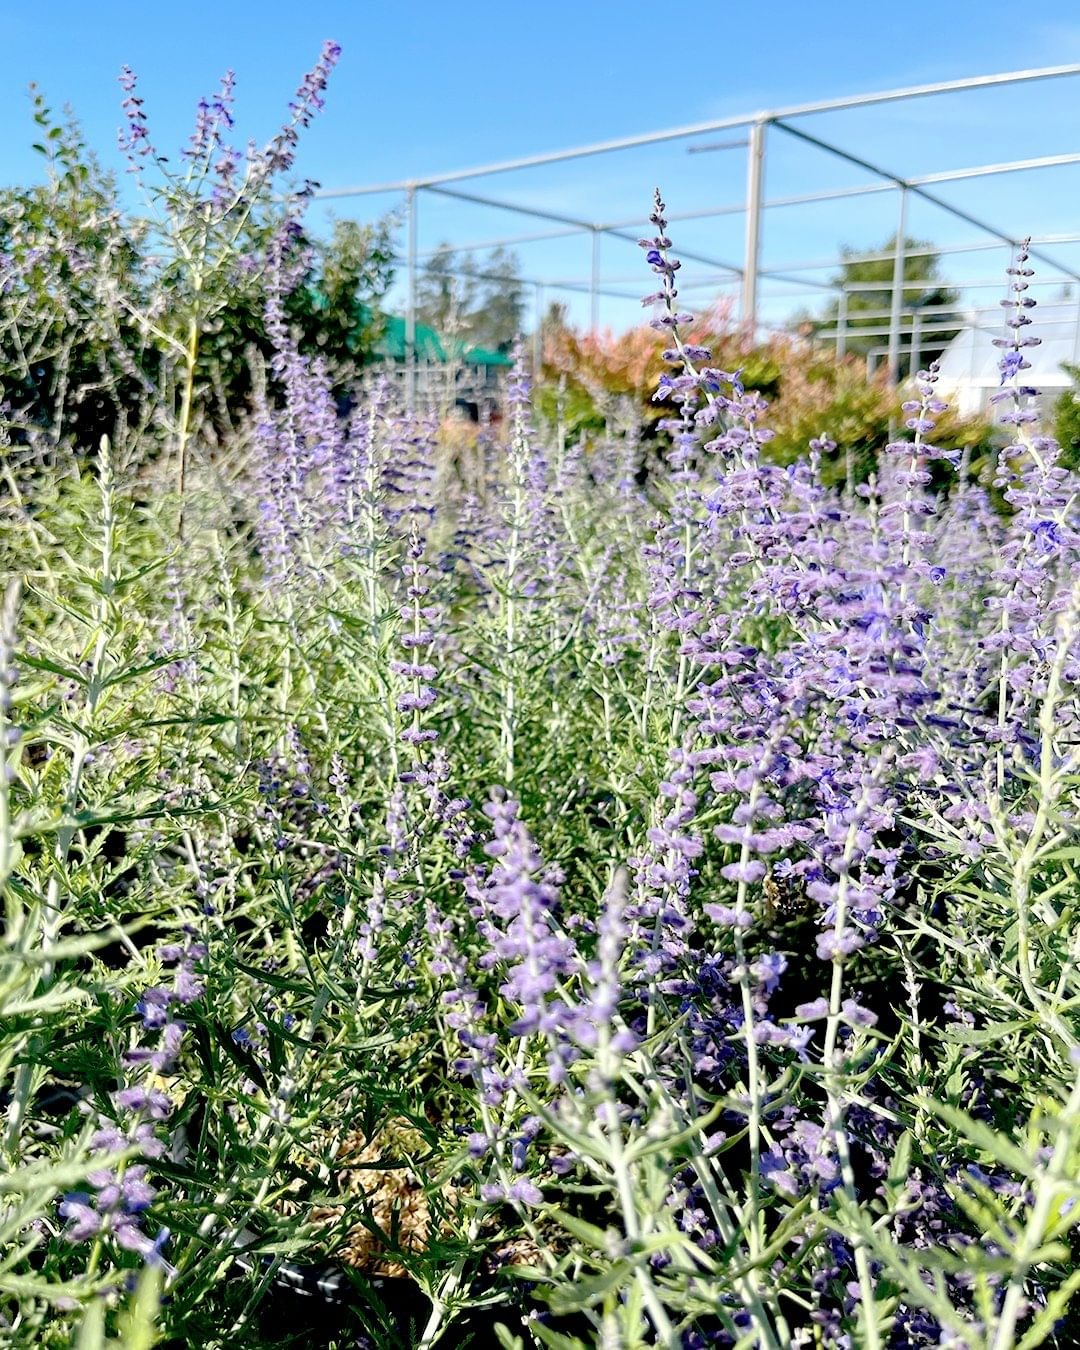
(425, 86)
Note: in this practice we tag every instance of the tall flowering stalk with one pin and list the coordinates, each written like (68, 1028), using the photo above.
(116, 1209)
(513, 584)
(687, 387)
(1041, 533)
(201, 211)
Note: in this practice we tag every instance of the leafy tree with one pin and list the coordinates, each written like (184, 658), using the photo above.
(864, 270)
(447, 293)
(94, 303)
(340, 311)
(479, 303)
(501, 310)
(336, 310)
(72, 355)
(1067, 420)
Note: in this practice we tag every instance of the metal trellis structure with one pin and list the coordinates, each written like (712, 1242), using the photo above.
(749, 275)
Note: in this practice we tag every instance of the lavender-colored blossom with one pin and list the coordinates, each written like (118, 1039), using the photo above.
(513, 904)
(521, 1191)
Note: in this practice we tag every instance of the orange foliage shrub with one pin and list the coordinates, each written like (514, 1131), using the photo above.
(589, 378)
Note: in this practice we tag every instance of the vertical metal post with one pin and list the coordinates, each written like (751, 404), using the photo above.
(755, 190)
(896, 307)
(916, 340)
(841, 324)
(538, 337)
(410, 303)
(594, 283)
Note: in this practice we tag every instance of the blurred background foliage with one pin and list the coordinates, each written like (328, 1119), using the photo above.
(589, 380)
(86, 303)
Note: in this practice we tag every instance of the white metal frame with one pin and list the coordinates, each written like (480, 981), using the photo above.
(749, 274)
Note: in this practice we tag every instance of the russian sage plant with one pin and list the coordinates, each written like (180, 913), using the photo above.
(565, 894)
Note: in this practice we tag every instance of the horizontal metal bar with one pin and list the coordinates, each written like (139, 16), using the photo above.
(989, 170)
(831, 195)
(921, 180)
(793, 281)
(478, 245)
(738, 208)
(982, 380)
(571, 220)
(584, 288)
(629, 279)
(855, 317)
(930, 250)
(869, 189)
(884, 330)
(904, 183)
(726, 279)
(994, 284)
(925, 90)
(539, 236)
(461, 273)
(962, 327)
(640, 222)
(705, 128)
(539, 212)
(703, 283)
(936, 283)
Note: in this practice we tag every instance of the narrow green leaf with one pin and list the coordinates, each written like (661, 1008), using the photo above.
(587, 1291)
(985, 1035)
(52, 667)
(596, 1238)
(556, 1339)
(982, 1136)
(1057, 1304)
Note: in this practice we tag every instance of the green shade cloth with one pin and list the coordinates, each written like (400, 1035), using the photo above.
(430, 347)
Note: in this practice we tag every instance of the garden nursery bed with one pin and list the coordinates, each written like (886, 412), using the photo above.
(505, 888)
